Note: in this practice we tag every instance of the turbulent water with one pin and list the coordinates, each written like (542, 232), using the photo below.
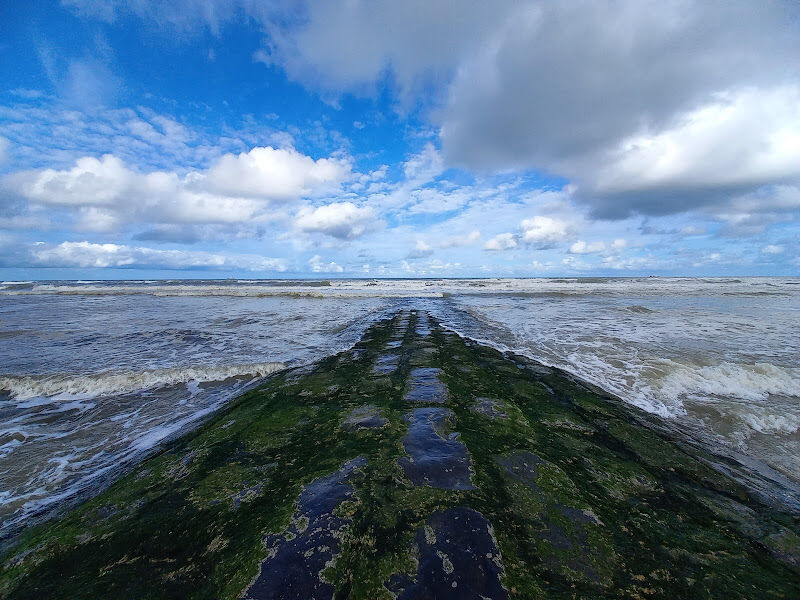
(95, 374)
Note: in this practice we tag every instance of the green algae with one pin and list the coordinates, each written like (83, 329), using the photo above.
(612, 508)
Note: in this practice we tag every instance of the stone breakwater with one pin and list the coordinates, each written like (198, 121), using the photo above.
(419, 465)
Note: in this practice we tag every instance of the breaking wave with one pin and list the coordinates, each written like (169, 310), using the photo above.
(754, 382)
(100, 384)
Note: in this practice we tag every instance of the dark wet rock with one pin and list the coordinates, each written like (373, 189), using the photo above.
(458, 560)
(385, 364)
(296, 374)
(104, 512)
(356, 353)
(562, 527)
(298, 556)
(522, 467)
(424, 355)
(424, 386)
(490, 407)
(435, 458)
(364, 417)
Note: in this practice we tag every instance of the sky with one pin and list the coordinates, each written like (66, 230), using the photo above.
(260, 139)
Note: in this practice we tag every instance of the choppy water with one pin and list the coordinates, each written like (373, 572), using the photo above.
(95, 374)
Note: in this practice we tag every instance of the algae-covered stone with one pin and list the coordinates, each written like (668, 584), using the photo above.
(422, 465)
(458, 559)
(364, 417)
(296, 559)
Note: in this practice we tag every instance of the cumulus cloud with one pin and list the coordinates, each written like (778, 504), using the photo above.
(235, 189)
(652, 107)
(318, 265)
(545, 231)
(751, 213)
(91, 255)
(739, 140)
(581, 247)
(421, 250)
(503, 241)
(343, 220)
(349, 46)
(278, 174)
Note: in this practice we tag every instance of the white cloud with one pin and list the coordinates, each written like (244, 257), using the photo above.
(503, 241)
(619, 244)
(772, 249)
(90, 182)
(91, 255)
(752, 213)
(351, 45)
(343, 220)
(421, 250)
(424, 166)
(235, 189)
(743, 138)
(545, 231)
(694, 97)
(581, 247)
(281, 174)
(318, 265)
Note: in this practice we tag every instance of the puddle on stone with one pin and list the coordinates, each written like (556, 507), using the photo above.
(298, 556)
(385, 364)
(423, 326)
(490, 407)
(364, 417)
(458, 559)
(425, 386)
(434, 460)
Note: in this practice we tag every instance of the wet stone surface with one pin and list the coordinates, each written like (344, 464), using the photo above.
(458, 560)
(423, 326)
(435, 459)
(424, 386)
(586, 497)
(298, 556)
(523, 467)
(385, 364)
(490, 407)
(364, 417)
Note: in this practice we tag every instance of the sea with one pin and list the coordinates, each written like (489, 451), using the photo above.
(95, 375)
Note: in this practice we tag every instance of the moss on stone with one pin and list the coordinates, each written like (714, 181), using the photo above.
(610, 508)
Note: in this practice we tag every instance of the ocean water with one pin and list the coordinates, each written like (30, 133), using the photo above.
(94, 374)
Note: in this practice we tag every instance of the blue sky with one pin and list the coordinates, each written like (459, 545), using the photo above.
(209, 138)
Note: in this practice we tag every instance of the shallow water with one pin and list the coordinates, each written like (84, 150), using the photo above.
(95, 374)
